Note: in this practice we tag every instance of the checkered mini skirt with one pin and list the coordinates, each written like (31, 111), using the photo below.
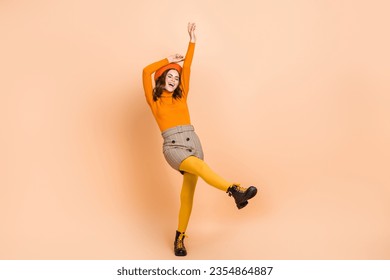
(180, 142)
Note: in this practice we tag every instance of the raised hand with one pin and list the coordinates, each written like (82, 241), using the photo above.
(191, 31)
(175, 58)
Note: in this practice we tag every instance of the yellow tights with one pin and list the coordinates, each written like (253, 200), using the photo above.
(193, 168)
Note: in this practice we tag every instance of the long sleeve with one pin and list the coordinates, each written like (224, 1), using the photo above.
(147, 78)
(185, 77)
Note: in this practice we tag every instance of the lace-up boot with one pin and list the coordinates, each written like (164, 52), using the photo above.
(180, 249)
(241, 195)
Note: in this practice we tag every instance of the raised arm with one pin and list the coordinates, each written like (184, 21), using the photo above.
(150, 69)
(185, 79)
(147, 78)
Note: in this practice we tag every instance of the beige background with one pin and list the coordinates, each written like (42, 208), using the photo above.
(291, 96)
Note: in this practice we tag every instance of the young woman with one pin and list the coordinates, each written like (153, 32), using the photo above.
(182, 148)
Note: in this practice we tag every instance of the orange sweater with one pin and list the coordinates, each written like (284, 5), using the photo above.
(167, 111)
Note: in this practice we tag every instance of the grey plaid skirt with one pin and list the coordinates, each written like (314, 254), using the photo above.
(180, 142)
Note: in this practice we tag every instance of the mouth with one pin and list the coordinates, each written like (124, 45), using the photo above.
(172, 85)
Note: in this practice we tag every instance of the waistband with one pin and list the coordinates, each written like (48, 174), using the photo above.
(177, 129)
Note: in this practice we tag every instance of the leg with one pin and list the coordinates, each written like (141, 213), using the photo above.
(198, 167)
(186, 200)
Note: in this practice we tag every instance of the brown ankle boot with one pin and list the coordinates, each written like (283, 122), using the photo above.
(180, 249)
(241, 195)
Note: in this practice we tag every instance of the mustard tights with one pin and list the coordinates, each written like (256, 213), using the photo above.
(193, 168)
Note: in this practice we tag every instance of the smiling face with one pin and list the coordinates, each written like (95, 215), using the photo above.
(172, 80)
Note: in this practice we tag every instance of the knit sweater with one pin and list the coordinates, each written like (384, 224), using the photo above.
(167, 111)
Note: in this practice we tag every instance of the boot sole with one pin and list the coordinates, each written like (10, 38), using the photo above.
(242, 204)
(181, 254)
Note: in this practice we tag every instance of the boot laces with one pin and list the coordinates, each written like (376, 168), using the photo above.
(180, 242)
(239, 188)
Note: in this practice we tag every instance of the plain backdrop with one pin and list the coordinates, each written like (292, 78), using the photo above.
(289, 96)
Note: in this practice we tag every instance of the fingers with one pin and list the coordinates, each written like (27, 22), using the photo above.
(191, 26)
(191, 31)
(175, 58)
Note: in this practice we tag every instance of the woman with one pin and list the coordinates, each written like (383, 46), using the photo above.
(182, 148)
